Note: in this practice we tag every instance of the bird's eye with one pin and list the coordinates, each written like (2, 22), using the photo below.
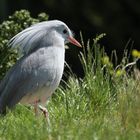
(64, 31)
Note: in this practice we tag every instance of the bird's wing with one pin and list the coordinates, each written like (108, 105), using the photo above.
(21, 80)
(11, 90)
(3, 83)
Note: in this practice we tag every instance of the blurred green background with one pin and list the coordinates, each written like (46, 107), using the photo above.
(119, 19)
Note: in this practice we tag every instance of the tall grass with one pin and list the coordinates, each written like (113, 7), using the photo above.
(105, 104)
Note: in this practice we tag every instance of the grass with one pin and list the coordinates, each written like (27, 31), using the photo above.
(105, 104)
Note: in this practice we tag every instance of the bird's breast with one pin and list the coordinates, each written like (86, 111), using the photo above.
(47, 67)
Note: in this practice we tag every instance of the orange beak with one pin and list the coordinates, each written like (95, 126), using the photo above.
(74, 41)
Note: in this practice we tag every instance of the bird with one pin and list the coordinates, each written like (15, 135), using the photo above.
(38, 72)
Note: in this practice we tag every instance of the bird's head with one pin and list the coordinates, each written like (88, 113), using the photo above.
(47, 33)
(60, 30)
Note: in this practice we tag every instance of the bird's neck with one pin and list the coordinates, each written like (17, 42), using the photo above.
(53, 39)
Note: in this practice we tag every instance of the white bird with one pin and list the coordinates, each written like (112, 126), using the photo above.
(37, 74)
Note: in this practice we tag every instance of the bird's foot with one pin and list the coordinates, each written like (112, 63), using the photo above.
(44, 111)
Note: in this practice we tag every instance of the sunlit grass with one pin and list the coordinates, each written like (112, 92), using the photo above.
(105, 104)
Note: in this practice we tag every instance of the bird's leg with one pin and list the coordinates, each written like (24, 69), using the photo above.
(36, 107)
(44, 110)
